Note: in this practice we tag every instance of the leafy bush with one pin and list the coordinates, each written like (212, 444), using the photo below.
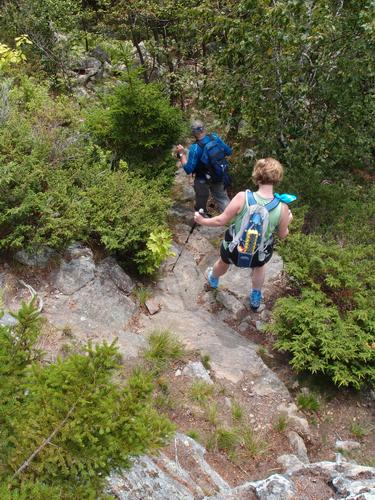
(158, 248)
(140, 126)
(56, 186)
(66, 425)
(310, 100)
(124, 211)
(326, 338)
(328, 326)
(9, 56)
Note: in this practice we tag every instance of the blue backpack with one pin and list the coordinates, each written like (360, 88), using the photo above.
(250, 239)
(214, 158)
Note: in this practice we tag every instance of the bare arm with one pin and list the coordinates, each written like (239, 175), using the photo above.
(234, 208)
(285, 219)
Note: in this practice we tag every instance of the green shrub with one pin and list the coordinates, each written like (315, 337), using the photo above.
(139, 125)
(158, 248)
(328, 325)
(124, 212)
(66, 425)
(320, 341)
(56, 187)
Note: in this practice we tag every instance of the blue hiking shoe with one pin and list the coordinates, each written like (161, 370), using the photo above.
(212, 281)
(255, 299)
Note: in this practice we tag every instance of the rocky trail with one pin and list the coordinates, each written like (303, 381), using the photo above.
(89, 299)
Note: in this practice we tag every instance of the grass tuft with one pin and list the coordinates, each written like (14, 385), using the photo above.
(193, 434)
(237, 412)
(252, 444)
(281, 423)
(223, 440)
(358, 430)
(308, 402)
(200, 391)
(205, 359)
(163, 348)
(142, 294)
(212, 414)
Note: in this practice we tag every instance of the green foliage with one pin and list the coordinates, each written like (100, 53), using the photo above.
(163, 399)
(206, 361)
(139, 125)
(223, 440)
(330, 328)
(142, 294)
(55, 27)
(9, 56)
(33, 489)
(212, 414)
(193, 434)
(226, 440)
(200, 391)
(65, 426)
(17, 352)
(322, 342)
(56, 187)
(358, 430)
(308, 402)
(163, 348)
(237, 411)
(308, 97)
(281, 423)
(124, 211)
(252, 445)
(158, 248)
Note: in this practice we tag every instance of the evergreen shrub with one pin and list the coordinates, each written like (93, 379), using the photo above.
(65, 426)
(140, 126)
(55, 186)
(329, 326)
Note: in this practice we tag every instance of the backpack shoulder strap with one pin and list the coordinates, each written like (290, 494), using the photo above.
(272, 204)
(250, 198)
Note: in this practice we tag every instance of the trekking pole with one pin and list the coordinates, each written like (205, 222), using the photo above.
(201, 211)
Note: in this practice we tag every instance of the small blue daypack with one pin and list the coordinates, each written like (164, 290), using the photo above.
(250, 238)
(214, 159)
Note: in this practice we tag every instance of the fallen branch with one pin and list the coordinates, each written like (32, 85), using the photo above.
(45, 442)
(33, 294)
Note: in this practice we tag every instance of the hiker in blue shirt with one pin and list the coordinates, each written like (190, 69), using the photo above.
(197, 163)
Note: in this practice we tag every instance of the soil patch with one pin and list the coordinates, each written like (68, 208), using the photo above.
(242, 444)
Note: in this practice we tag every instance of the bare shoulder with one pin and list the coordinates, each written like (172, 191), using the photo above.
(238, 201)
(240, 196)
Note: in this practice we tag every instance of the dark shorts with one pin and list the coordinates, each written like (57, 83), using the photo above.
(231, 257)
